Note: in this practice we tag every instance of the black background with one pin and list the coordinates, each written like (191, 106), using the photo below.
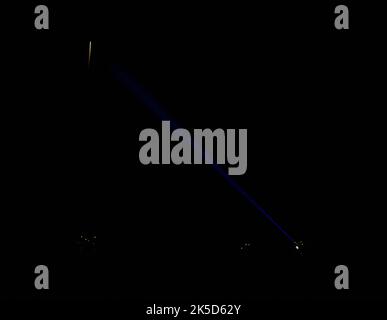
(310, 96)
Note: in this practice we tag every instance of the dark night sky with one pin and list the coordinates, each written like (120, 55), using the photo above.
(309, 96)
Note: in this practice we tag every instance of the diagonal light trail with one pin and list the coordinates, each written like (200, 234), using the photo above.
(145, 98)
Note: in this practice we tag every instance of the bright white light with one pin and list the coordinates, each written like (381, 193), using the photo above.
(89, 54)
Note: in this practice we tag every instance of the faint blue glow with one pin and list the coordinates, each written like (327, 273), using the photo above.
(146, 99)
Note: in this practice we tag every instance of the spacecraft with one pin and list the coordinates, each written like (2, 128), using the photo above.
(299, 246)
